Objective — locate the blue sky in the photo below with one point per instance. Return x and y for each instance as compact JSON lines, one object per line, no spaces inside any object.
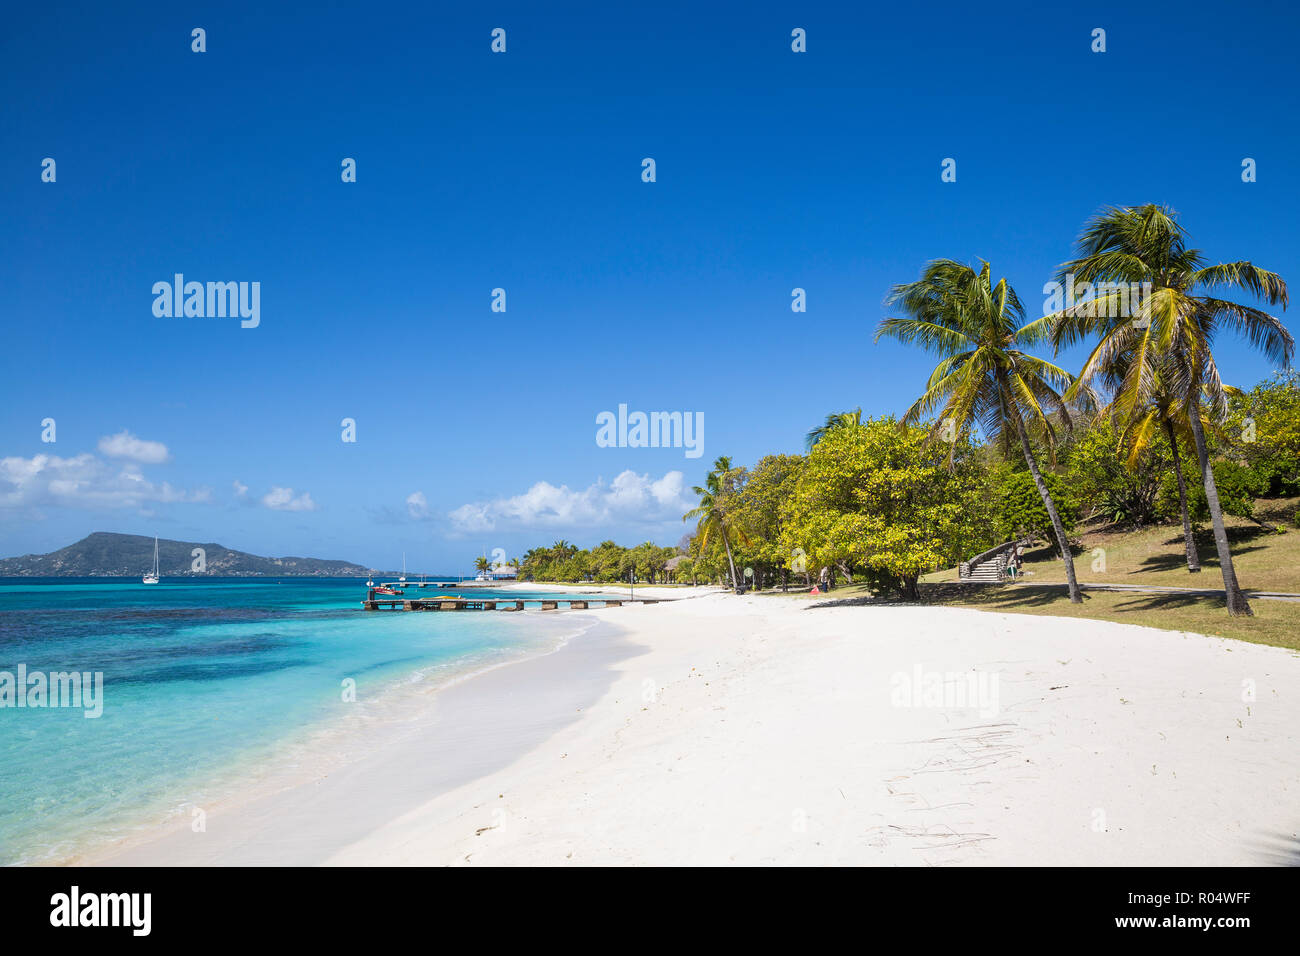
{"x":522,"y":171}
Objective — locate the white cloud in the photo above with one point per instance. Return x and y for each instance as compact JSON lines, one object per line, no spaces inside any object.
{"x":126,"y":445}
{"x":629,"y":499}
{"x":83,"y":481}
{"x":472,"y":517}
{"x":417,"y":506}
{"x":283,"y":499}
{"x":241,"y":489}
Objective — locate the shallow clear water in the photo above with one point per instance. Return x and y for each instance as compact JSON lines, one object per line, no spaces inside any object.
{"x":203,"y":682}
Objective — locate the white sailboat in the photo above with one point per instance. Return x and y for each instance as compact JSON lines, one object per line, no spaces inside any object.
{"x":402,"y":579}
{"x":152,"y":576}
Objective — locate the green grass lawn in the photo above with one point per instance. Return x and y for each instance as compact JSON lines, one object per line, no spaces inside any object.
{"x":1275,"y":622}
{"x":1265,"y":561}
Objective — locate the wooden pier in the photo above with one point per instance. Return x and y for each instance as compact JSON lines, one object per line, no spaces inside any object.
{"x":402,"y":603}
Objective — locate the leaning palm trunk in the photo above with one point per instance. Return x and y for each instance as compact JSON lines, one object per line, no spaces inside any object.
{"x":1075,"y":596}
{"x":730,"y":563}
{"x":1236,"y":600}
{"x":1189,"y":542}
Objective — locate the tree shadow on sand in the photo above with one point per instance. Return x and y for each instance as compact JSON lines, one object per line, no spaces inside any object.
{"x":847,"y":602}
{"x":1277,"y":849}
{"x":995,"y":595}
{"x":940,"y":595}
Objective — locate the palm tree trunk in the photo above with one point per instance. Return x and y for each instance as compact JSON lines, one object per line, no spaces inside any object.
{"x":1235,"y":599}
{"x":1189,"y":542}
{"x":730,"y":562}
{"x":1076,"y":597}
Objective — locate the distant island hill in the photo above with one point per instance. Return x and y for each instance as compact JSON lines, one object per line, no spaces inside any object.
{"x":108,"y":554}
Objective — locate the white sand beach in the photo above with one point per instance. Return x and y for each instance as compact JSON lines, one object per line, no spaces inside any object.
{"x":761,"y":730}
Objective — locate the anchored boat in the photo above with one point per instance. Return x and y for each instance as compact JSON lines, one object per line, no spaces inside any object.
{"x":152,"y":576}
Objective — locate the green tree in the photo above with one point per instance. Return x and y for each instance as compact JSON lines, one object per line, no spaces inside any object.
{"x":685,"y":570}
{"x":1018,"y":507}
{"x":759,"y":510}
{"x":533,"y":566}
{"x":1160,"y":412}
{"x":1169,"y":337}
{"x":833,"y":421}
{"x":884,"y":500}
{"x":983,"y":377}
{"x":1238,"y":487}
{"x":714,"y":512}
{"x":1119,"y":486}
{"x":606,"y":561}
{"x":1264,"y":425}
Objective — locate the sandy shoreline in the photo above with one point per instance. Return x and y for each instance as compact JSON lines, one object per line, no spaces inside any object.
{"x":758,"y":730}
{"x":662,"y":592}
{"x":348,"y":776}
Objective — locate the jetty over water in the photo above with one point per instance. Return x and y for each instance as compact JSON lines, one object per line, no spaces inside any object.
{"x":384,"y":602}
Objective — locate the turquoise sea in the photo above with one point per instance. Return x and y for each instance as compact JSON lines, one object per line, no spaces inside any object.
{"x":207,"y":684}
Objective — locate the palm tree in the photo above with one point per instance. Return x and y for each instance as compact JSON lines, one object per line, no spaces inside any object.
{"x":713,"y":510}
{"x":481,"y":564}
{"x":833,"y":421}
{"x":983,"y":377}
{"x":1169,"y":337}
{"x":1162,"y":410}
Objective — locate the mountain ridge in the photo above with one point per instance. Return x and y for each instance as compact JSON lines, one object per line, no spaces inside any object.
{"x":113,"y":554}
